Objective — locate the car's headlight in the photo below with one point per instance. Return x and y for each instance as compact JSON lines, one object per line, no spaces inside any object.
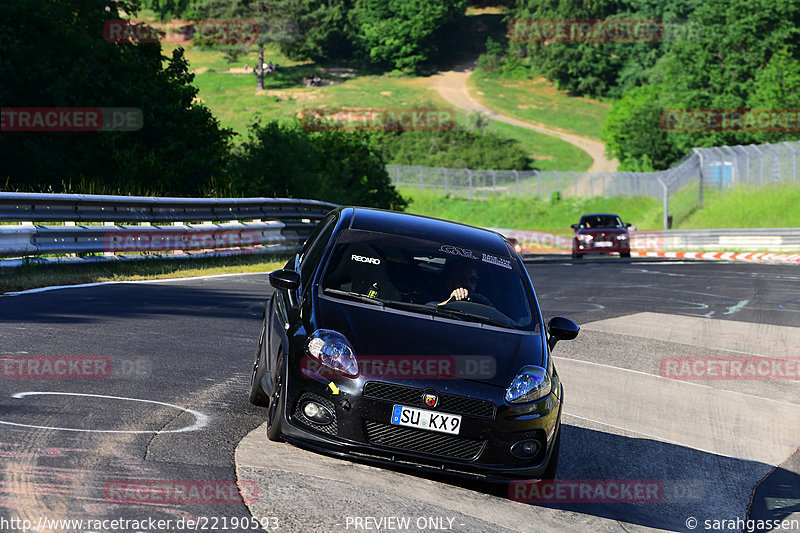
{"x":585,"y":238}
{"x":530,"y":384}
{"x":332,"y":350}
{"x":622,"y":237}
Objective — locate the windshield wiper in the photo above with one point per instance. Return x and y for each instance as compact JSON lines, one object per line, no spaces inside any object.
{"x":355,"y":296}
{"x":446,"y":313}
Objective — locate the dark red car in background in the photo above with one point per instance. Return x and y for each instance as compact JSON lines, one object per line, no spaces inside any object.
{"x":601,"y":233}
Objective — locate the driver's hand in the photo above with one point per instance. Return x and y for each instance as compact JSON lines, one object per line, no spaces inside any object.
{"x":458,"y":294}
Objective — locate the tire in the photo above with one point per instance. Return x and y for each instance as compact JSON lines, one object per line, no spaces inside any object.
{"x":624,"y":254}
{"x":552,"y":466}
{"x":576,"y":255}
{"x":276,"y":401}
{"x":257,"y":395}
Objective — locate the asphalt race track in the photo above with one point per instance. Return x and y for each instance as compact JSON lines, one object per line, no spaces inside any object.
{"x":151,"y":420}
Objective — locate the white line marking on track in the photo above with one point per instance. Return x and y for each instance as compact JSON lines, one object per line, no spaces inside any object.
{"x":201,"y":420}
{"x":736,"y":308}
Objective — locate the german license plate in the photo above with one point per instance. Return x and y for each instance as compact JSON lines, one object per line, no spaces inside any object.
{"x":603,"y":244}
{"x":424,"y":419}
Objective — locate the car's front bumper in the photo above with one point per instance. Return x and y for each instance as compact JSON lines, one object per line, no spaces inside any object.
{"x":621,"y":247}
{"x":489,"y":427}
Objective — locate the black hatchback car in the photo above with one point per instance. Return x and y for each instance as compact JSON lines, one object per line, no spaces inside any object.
{"x":411,"y":341}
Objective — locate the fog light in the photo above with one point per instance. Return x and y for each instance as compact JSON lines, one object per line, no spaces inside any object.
{"x":526,"y":449}
{"x":317,"y":413}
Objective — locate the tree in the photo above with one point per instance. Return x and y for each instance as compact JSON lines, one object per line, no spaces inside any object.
{"x":54,"y":55}
{"x":603,"y":67}
{"x":723,"y":67}
{"x":777,"y":88}
{"x":633,"y":132}
{"x":282,"y":159}
{"x":273,"y":26}
{"x":402,"y":33}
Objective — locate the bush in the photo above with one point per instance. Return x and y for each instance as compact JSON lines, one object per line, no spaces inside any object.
{"x":282,"y":159}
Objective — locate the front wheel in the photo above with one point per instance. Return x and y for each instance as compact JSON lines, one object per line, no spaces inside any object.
{"x":576,"y":255}
{"x":276,"y":401}
{"x":624,"y":254}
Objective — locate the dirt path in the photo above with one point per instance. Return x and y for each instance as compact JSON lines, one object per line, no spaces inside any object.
{"x":452,"y":86}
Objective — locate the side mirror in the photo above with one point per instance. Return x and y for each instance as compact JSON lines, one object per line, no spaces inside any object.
{"x":285,"y":279}
{"x":574,"y":226}
{"x":628,"y":225}
{"x":561,"y":329}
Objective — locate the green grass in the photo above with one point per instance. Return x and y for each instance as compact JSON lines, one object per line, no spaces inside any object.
{"x":748,"y":207}
{"x":532,"y":213}
{"x":537,"y":100}
{"x":234,"y":100}
{"x":32,"y":276}
{"x":549,"y":153}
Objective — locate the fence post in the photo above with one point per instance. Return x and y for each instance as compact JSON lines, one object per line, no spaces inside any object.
{"x":794,"y":160}
{"x":558,"y":180}
{"x":421,"y":182}
{"x":575,"y":192}
{"x":469,"y":174}
{"x":591,"y":185}
{"x":538,"y":185}
{"x":516,"y":180}
{"x":494,"y":181}
{"x":397,"y":175}
{"x":666,"y":203}
{"x":446,"y":188}
{"x":760,"y":165}
{"x":700,"y":155}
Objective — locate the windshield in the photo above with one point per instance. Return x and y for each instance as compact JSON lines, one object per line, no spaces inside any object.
{"x":428,"y":277}
{"x":601,"y":221}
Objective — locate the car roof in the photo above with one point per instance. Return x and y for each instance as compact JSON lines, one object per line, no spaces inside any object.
{"x":422,"y":227}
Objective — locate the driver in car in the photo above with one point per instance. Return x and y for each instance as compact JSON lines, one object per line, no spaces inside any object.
{"x":461,"y":279}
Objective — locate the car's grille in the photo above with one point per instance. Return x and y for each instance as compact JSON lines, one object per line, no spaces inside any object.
{"x":412,"y":397}
{"x":422,"y":441}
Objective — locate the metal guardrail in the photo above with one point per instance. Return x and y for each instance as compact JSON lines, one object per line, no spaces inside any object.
{"x":16,"y":207}
{"x":277,"y":226}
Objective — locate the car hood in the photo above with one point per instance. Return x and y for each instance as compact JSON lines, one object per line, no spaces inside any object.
{"x":484,"y":354}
